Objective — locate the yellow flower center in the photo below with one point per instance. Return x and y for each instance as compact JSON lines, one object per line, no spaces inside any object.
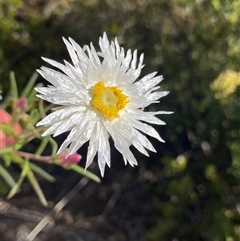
{"x":108,"y":99}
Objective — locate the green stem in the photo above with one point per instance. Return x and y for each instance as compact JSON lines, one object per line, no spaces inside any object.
{"x":42,"y":146}
{"x":54,"y":146}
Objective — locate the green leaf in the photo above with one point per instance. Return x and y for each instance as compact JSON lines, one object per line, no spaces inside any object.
{"x":34,"y":115}
{"x":7,"y":150}
{"x":14,"y":89}
{"x":27,"y":90}
{"x":85,"y":173}
{"x":8,"y":129}
{"x":16,"y":187}
{"x":32,"y":179}
{"x":38,"y":170}
{"x":7,"y":159}
{"x":7,"y":177}
{"x":49,"y":107}
{"x":32,"y":95}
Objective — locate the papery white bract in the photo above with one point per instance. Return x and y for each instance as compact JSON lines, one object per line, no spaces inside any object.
{"x":99,"y":97}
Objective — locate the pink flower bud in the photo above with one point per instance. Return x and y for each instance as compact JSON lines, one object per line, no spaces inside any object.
{"x":5,"y":118}
{"x":7,"y":140}
{"x":72,"y":159}
{"x":22,"y":103}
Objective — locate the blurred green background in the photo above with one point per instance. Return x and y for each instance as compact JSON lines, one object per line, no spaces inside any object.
{"x":195,"y":44}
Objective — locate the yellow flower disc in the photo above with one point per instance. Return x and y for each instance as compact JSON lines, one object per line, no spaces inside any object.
{"x":108,"y":99}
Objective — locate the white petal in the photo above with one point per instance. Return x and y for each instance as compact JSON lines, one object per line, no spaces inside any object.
{"x":93,"y":145}
{"x":64,"y":99}
{"x":132,"y":133}
{"x":51,"y":129}
{"x":61,"y":114}
{"x":71,"y":52}
{"x":44,"y":90}
{"x":128,"y":58}
{"x":71,"y":137}
{"x":132,"y":136}
{"x":81,"y":55}
{"x":163,"y":112}
{"x":121,"y":144}
{"x":157,"y":95}
{"x":103,"y":151}
{"x":146,"y":116}
{"x":76,"y":131}
{"x":50,"y":79}
{"x":83,"y":136}
{"x":60,"y":66}
{"x":118,"y":49}
{"x":66,"y":125}
{"x":77,"y":73}
{"x":54,"y":76}
{"x":94,"y":57}
{"x":145,"y":128}
{"x":134,"y":60}
{"x":140,"y":65}
{"x":148,"y":82}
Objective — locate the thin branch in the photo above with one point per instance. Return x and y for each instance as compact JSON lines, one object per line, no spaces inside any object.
{"x":46,"y":159}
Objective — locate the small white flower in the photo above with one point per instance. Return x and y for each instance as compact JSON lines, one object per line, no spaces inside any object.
{"x":99,"y":97}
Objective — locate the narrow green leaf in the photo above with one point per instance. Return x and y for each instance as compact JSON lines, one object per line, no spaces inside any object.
{"x":7,"y":177}
{"x":34,"y":115}
{"x":32,"y":95}
{"x":16,"y":187}
{"x":32,"y":179}
{"x":5,"y":102}
{"x":7,"y":160}
{"x":14,"y":90}
{"x":85,"y":173}
{"x":16,"y":158}
{"x":25,"y":168}
{"x":19,"y":145}
{"x":7,"y":150}
{"x":49,"y":107}
{"x":41,"y":108}
{"x":38,"y":170}
{"x":8,"y":129}
{"x":27,"y":90}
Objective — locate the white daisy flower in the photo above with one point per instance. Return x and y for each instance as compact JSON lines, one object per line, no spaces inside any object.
{"x":99,"y":97}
